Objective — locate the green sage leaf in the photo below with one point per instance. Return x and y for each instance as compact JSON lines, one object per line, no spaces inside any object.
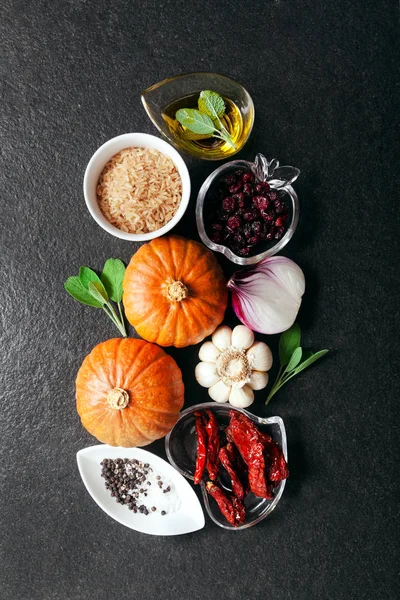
{"x":77,"y":290}
{"x":189,"y":135}
{"x":289,"y":341}
{"x":310,"y":361}
{"x":294,"y":360}
{"x":195,"y":120}
{"x":211,"y":104}
{"x":98,"y":292}
{"x":86,"y":274}
{"x":112,"y":277}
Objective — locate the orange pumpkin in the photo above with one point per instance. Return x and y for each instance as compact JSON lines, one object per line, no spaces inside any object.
{"x":128,"y":392}
{"x":174,"y":292}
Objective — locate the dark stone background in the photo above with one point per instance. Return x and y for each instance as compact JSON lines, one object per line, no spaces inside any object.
{"x":324,"y":77}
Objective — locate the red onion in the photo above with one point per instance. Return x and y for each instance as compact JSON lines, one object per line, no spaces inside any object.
{"x":267,"y":297}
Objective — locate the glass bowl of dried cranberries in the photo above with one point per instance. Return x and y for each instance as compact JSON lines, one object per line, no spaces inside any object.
{"x":248,"y":211}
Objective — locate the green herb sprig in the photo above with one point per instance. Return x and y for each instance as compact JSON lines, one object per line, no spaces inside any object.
{"x":293,"y":359}
{"x":206,"y":121}
{"x":90,"y":289}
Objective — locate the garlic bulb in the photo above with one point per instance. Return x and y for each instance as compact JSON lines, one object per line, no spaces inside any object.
{"x":233,"y":365}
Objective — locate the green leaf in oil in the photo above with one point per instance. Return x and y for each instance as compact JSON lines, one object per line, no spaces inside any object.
{"x":211,"y":104}
{"x":195,"y":121}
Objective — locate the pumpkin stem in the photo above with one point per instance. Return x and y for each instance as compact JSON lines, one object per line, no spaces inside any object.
{"x":177,"y":291}
{"x":118,"y":398}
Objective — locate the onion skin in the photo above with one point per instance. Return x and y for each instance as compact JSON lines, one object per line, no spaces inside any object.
{"x":273,"y":309}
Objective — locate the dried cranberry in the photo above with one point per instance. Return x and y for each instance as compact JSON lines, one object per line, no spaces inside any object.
{"x":229,"y":179}
{"x":247,"y":230}
{"x":247,"y":189}
{"x":239,"y":239}
{"x":234,"y":222}
{"x":252,"y":241}
{"x":270,"y":235}
{"x":267,"y":215}
{"x":216,"y":226}
{"x":278,"y":205}
{"x":244,"y":251}
{"x":261,"y":202}
{"x":262,"y":187}
{"x":248,"y":177}
{"x":228,"y":204}
{"x":279,"y":233}
{"x":272,"y":196}
{"x":239,"y":199}
{"x":235,"y":187}
{"x":279,"y":222}
{"x":256,"y":227}
{"x":248,"y":216}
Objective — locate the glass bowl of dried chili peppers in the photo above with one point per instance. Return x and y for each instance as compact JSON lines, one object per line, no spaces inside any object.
{"x":238,"y":459}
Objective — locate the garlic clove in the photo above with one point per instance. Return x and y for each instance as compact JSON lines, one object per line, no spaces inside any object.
{"x":241,"y":397}
{"x":206,"y":374}
{"x":258,"y":380}
{"x":219,"y":392}
{"x":222,"y":337}
{"x":209,"y":352}
{"x":260,"y":356}
{"x":242,"y":337}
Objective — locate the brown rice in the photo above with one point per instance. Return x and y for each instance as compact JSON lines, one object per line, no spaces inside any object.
{"x":139,"y":190}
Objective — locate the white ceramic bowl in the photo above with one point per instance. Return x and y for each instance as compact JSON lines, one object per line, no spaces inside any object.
{"x":187,"y":517}
{"x":103,"y":155}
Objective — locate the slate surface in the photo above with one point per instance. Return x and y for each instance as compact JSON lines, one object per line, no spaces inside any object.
{"x":324,"y":77}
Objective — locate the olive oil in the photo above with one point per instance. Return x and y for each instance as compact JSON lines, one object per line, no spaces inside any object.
{"x":205,"y":146}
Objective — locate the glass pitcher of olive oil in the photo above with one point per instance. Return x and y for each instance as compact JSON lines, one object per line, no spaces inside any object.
{"x":163,"y":100}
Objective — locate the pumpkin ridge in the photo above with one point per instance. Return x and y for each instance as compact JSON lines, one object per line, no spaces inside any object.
{"x":155,"y":245}
{"x":209,"y":261}
{"x":179,"y":276}
{"x":141,"y":372}
{"x":194,"y":317}
{"x":93,"y":362}
{"x":160,"y":412}
{"x":149,"y":249}
{"x":146,"y":437}
{"x":129,"y":372}
{"x":118,"y":374}
{"x":208,"y":284}
{"x":170,"y":321}
{"x":161,"y":423}
{"x":164,"y":308}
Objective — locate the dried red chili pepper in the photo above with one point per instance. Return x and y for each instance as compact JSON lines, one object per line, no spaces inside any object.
{"x":239,"y":465}
{"x":240,"y":511}
{"x":277,"y":468}
{"x":201,"y":457}
{"x":225,"y":457}
{"x":224,"y":503}
{"x":250,"y":444}
{"x":213,"y":443}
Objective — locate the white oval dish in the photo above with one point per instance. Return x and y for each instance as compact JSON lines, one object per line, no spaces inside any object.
{"x":103,"y":155}
{"x":187,"y":518}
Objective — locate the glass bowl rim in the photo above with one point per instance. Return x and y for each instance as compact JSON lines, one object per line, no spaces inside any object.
{"x":240,"y":260}
{"x":255,"y":418}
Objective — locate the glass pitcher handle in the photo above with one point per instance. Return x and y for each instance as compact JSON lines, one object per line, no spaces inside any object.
{"x":272,"y":172}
